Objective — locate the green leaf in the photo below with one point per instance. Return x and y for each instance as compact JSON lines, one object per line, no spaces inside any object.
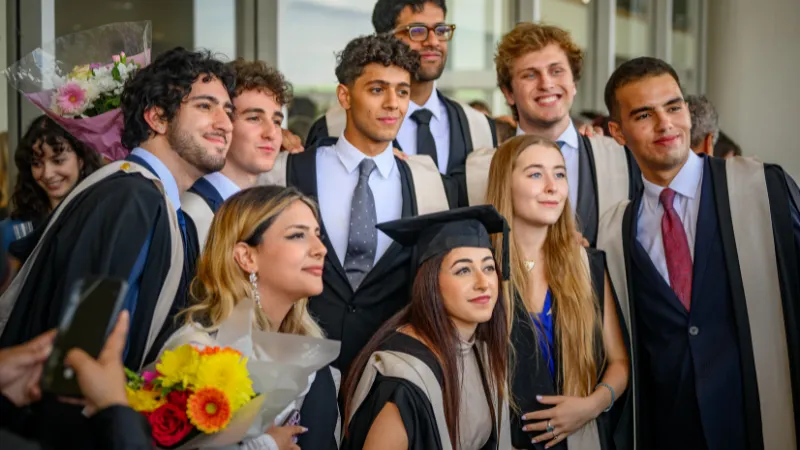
{"x":115,"y":73}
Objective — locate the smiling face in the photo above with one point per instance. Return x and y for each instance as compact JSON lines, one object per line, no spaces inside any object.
{"x":539,"y":185}
{"x":55,"y":172}
{"x":200,"y":132}
{"x":469,"y":285}
{"x":257,"y":134}
{"x":542,"y":88}
{"x":377,"y":101}
{"x":432,"y":51}
{"x":655,"y":124}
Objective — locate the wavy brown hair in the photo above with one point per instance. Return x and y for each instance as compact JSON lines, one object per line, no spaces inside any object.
{"x":566,"y":269}
{"x":428,"y":317}
{"x":527,"y":37}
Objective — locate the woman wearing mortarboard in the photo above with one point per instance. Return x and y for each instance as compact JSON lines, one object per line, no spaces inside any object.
{"x":434,"y":376}
{"x":570,"y":363}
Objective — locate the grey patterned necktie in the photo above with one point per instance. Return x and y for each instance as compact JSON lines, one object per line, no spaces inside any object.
{"x":362,"y":241}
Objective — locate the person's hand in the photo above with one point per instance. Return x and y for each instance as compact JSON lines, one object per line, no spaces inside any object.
{"x":400,"y":154}
{"x":589,"y":131}
{"x":284,"y":436}
{"x":21,"y":369}
{"x":567,"y":416}
{"x":291,"y":142}
{"x":102,"y":381}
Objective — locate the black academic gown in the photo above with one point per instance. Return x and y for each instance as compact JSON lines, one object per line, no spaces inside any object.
{"x":348,"y":316}
{"x":414,"y":406}
{"x":320,"y":413}
{"x":460,"y":145}
{"x":587,"y":209}
{"x":531,"y":376}
{"x":784,"y":206}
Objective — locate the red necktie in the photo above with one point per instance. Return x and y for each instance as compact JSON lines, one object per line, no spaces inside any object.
{"x":676,"y":250}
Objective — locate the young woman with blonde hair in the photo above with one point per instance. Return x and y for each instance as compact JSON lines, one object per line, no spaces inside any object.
{"x":264,"y":244}
{"x":570,"y":362}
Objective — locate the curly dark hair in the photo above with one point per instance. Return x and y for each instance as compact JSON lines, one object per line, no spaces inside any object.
{"x":165,"y":83}
{"x":30,"y":201}
{"x":255,"y":75}
{"x":380,"y":49}
{"x":386,"y":12}
{"x":631,"y":71}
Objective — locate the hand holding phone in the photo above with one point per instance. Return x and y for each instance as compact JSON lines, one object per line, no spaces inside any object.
{"x":91,"y":312}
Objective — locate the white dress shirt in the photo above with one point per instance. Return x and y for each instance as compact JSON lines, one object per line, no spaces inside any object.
{"x":163,"y":174}
{"x":337,"y":177}
{"x":571,"y":159}
{"x":224,"y":185}
{"x":440,"y":129}
{"x":687,"y":186}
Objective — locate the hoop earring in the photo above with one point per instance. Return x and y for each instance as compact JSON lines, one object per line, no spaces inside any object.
{"x":254,"y":285}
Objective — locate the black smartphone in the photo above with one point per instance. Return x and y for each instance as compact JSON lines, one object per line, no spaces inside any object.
{"x":91,"y":313}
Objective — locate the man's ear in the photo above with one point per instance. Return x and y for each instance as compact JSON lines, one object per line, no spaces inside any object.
{"x":155,"y":119}
{"x":343,"y":95}
{"x":708,"y":145}
{"x":616,"y":132}
{"x":509,"y":95}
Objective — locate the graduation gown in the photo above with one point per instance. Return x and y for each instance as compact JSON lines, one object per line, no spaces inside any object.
{"x":608,"y":174}
{"x":469,"y":130}
{"x":200,"y":203}
{"x":531,"y":376}
{"x":352,"y":317}
{"x":413,"y":383}
{"x":752,"y":234}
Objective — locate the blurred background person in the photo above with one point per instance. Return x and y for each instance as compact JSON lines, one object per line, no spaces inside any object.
{"x":705,"y":124}
{"x":726,"y":147}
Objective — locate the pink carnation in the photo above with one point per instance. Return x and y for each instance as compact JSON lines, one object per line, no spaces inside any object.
{"x":115,"y":58}
{"x":71,"y":98}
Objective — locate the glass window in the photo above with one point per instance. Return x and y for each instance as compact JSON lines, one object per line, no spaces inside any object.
{"x":195,"y":24}
{"x":575,"y":16}
{"x":633,"y":29}
{"x":480,"y":24}
{"x":686,"y":17}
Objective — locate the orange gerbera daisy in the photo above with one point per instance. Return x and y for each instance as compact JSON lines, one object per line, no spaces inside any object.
{"x":209,"y":351}
{"x":209,"y":410}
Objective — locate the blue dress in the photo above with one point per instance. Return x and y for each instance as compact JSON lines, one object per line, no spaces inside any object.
{"x":544,"y":328}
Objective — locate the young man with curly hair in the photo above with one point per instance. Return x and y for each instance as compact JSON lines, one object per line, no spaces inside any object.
{"x":261,"y":93}
{"x":538,"y":68}
{"x":359,"y":183}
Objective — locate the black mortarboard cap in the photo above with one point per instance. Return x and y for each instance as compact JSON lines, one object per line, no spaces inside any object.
{"x":444,"y":231}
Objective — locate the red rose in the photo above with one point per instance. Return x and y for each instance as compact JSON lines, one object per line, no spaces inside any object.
{"x":170,"y":424}
{"x":179,"y":398}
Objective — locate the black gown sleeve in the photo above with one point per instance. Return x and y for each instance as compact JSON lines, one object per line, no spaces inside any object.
{"x":415,"y":411}
{"x":120,"y":428}
{"x":318,"y":132}
{"x":320,"y":413}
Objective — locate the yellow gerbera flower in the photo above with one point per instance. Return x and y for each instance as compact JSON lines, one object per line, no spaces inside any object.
{"x":144,"y":401}
{"x":178,"y":367}
{"x":226,"y":371}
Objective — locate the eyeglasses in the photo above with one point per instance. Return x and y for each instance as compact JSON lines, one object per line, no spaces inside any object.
{"x":419,"y":31}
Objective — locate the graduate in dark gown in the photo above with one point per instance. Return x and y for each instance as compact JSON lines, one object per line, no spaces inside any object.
{"x":125,"y":220}
{"x":705,"y":262}
{"x":434,"y":376}
{"x":568,"y":344}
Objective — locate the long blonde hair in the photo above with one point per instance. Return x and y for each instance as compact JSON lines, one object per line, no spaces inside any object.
{"x":578,"y":317}
{"x":220,"y":283}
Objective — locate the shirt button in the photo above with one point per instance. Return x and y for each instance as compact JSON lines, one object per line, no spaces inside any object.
{"x":694,"y":331}
{"x":352,"y":309}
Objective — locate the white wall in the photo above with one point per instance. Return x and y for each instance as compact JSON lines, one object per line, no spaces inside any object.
{"x":753,"y":73}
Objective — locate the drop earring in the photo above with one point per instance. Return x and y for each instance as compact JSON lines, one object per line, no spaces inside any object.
{"x":254,"y":285}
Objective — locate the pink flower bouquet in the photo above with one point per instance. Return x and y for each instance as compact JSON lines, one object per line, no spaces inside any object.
{"x":78,"y":79}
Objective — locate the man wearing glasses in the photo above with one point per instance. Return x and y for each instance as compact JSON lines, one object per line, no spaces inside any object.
{"x":437,"y":126}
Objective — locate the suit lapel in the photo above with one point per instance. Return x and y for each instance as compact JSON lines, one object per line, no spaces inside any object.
{"x":302,"y":173}
{"x":389,"y":258}
{"x":587,"y":191}
{"x":706,"y":228}
{"x":459,"y":135}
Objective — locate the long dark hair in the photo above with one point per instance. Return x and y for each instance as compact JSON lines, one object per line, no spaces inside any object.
{"x":30,"y":201}
{"x":429,"y":319}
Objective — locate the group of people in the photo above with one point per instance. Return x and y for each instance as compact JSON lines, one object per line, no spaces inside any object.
{"x":560,"y":290}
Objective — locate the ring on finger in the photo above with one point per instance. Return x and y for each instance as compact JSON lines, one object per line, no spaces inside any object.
{"x":550,"y":427}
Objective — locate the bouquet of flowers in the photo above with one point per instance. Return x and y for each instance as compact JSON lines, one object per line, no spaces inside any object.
{"x":192,"y":391}
{"x":214,"y":392}
{"x":77,"y":80}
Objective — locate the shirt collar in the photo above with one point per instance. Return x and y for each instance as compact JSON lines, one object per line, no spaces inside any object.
{"x":434,"y":105}
{"x":351,"y":157}
{"x":569,"y":136}
{"x":685,"y":182}
{"x":163,"y":173}
{"x":224,"y":185}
